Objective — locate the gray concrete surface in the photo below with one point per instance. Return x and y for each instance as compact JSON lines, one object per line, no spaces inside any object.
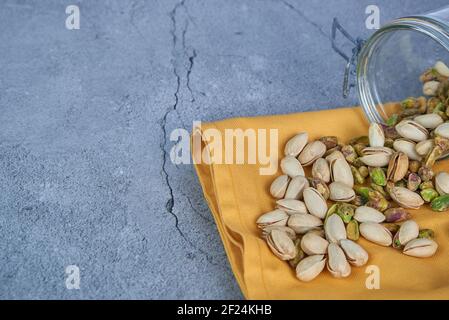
{"x":85,"y":115}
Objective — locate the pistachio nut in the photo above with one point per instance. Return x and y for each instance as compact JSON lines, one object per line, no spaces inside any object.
{"x":426,"y":185}
{"x":424,"y":147}
{"x":321,"y":187}
{"x":295,"y":145}
{"x":315,"y":202}
{"x":443,"y":143}
{"x":358,"y":177}
{"x":281,"y":244}
{"x":362,"y":191}
{"x":356,"y":255}
{"x":376,"y":156}
{"x":378,"y":176}
{"x":299,"y":254}
{"x":408,"y":147}
{"x":341,"y":192}
{"x":345,"y":211}
{"x":352,"y":230}
{"x":412,"y":130}
{"x":426,"y":173}
{"x":364,"y":172}
{"x":334,"y":228}
{"x":341,"y":172}
{"x":380,"y":189}
{"x":304,"y":222}
{"x":291,"y":206}
{"x":428,"y":194}
{"x":279,"y":186}
{"x":429,"y":121}
{"x":430,"y":88}
{"x":396,"y":215}
{"x":312,"y":151}
{"x":273,"y":218}
{"x":333,"y":209}
{"x":413,"y":165}
{"x":337,"y":264}
{"x":309,"y":268}
{"x":392,"y":227}
{"x":313,"y":244}
{"x":441,"y":68}
{"x":289,"y":231}
{"x":413,"y":181}
{"x":433,"y":156}
{"x":442,"y":182}
{"x":320,"y":169}
{"x":296,"y":187}
{"x":376,"y":135}
{"x":376,"y":233}
{"x":406,"y":198}
{"x":361,"y":139}
{"x":426,"y":234}
{"x":392,"y":120}
{"x":440,"y":203}
{"x":421,"y":248}
{"x":332,"y":150}
{"x":408,"y":231}
{"x":291,"y":167}
{"x":368,"y":214}
{"x":329,"y":141}
{"x":335,"y":155}
{"x":442,"y":130}
{"x":377,"y":201}
{"x":349,"y":153}
{"x":397,"y":167}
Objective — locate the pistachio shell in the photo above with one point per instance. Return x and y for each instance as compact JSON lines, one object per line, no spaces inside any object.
{"x":281,"y":244}
{"x":406,"y":198}
{"x":291,"y":206}
{"x":337,"y":154}
{"x":321,"y":170}
{"x":279,"y":186}
{"x":442,"y":183}
{"x":443,"y":130}
{"x":368,"y":214}
{"x":396,"y":215}
{"x":309,"y":268}
{"x":407,"y":147}
{"x":424,"y":147}
{"x":273,"y":218}
{"x":296,"y":187}
{"x":315,"y":202}
{"x":290,"y":232}
{"x":421,"y":248}
{"x":429,"y":121}
{"x":376,"y":135}
{"x":441,"y":68}
{"x":341,"y":192}
{"x":397,"y":167}
{"x":312,"y":244}
{"x":376,"y":233}
{"x":412,"y":130}
{"x":337,"y":264}
{"x":430,"y":88}
{"x":356,"y":255}
{"x":311,"y":152}
{"x":291,"y":167}
{"x":334,"y":228}
{"x":295,"y":145}
{"x":341,"y":172}
{"x":303,"y":222}
{"x":408,"y":231}
{"x":376,"y":156}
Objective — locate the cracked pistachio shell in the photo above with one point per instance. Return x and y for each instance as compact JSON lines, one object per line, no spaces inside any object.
{"x":424,"y":147}
{"x":376,"y":233}
{"x":430,"y":88}
{"x":429,"y":121}
{"x":337,"y":264}
{"x":368,"y":214}
{"x":341,"y":192}
{"x":273,"y":218}
{"x":291,"y":167}
{"x":408,"y":147}
{"x":312,"y":151}
{"x":296,"y":187}
{"x":313,"y":244}
{"x":295,"y":145}
{"x":442,"y":183}
{"x":397,"y":167}
{"x":421,"y":248}
{"x":282,"y":246}
{"x":441,"y":68}
{"x":279,"y":186}
{"x":341,"y":172}
{"x":337,"y":154}
{"x":334,"y":228}
{"x":356,"y":255}
{"x":406,"y":198}
{"x":315,"y":202}
{"x":290,"y":232}
{"x":408,"y":231}
{"x":443,"y":130}
{"x":304,"y":222}
{"x":412,"y":130}
{"x":309,"y":268}
{"x":291,"y":206}
{"x":321,"y":170}
{"x":376,"y":156}
{"x":376,"y":135}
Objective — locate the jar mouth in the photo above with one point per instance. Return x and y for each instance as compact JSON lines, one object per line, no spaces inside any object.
{"x":367,"y":90}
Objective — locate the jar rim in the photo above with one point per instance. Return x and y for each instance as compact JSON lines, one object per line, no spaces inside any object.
{"x":367,"y":92}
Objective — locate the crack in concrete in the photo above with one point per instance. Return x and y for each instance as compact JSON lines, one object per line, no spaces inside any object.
{"x":304,"y":16}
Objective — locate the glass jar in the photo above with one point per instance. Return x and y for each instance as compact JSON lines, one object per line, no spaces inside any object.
{"x":391,"y":61}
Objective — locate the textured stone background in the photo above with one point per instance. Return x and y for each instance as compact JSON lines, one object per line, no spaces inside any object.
{"x":85,"y":115}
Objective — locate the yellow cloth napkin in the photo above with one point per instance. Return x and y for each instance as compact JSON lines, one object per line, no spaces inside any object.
{"x":237,"y":195}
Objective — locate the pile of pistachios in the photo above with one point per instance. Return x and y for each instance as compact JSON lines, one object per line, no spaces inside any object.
{"x":362,"y":188}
